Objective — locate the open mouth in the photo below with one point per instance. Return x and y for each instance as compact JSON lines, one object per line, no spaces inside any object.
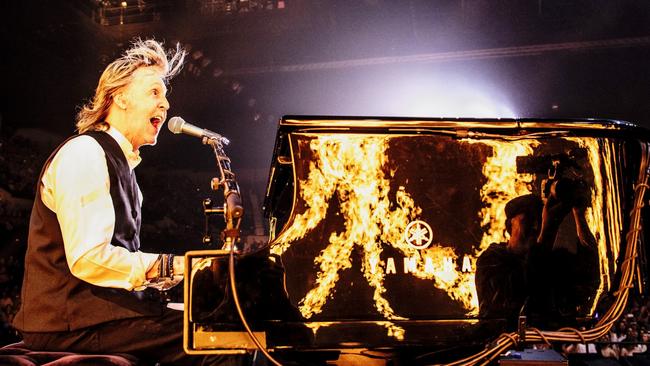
{"x":156,"y":121}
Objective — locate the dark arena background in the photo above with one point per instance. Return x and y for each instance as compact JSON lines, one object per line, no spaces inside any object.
{"x":251,"y":62}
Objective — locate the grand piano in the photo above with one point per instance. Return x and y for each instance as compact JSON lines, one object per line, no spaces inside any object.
{"x":393,"y":236}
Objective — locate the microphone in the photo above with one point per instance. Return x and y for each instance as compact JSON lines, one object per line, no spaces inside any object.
{"x":178,"y":125}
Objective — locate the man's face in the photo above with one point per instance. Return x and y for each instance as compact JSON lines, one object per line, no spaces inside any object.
{"x":146,"y":106}
{"x":524,"y":231}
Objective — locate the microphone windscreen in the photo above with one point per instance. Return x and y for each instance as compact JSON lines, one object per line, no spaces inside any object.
{"x":175,"y":124}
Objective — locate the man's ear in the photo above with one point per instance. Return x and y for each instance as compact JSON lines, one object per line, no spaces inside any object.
{"x":120,"y":100}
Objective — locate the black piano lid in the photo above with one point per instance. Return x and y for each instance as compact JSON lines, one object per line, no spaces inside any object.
{"x":289,"y":123}
{"x":455,"y":126}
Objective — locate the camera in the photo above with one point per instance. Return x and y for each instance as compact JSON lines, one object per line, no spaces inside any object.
{"x":561,"y":175}
{"x":553,"y":164}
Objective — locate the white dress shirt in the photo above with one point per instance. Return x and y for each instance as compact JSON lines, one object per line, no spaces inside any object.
{"x":76,"y":187}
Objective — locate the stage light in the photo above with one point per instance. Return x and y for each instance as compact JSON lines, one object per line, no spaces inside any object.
{"x":440,"y":95}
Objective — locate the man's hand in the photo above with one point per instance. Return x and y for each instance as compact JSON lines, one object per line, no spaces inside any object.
{"x":154,"y":270}
{"x":554,"y":212}
{"x":582,"y":228}
{"x":173,"y":278}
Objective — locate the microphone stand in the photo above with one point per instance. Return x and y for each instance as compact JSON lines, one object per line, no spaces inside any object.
{"x":233,"y":210}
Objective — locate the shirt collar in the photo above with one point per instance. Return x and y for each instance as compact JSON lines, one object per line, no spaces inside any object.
{"x":132,"y":157}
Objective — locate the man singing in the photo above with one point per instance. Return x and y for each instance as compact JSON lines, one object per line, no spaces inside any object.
{"x":85,"y":277}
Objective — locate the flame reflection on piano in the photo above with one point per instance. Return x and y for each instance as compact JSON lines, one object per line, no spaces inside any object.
{"x":355,"y":195}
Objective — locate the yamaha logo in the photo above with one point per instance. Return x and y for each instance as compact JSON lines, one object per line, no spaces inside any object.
{"x":418,"y":234}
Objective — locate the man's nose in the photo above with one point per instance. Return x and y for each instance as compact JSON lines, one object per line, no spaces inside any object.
{"x":165,"y":103}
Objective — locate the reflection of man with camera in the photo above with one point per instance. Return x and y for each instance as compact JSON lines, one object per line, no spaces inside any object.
{"x":501,"y":278}
{"x":561,"y":274}
{"x":530,"y":274}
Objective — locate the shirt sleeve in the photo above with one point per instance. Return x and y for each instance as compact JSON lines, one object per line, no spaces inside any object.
{"x":76,"y":187}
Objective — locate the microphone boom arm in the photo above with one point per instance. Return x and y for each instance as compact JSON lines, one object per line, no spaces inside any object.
{"x":234,"y":209}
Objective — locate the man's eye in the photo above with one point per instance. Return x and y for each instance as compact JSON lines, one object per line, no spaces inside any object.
{"x":155,"y":92}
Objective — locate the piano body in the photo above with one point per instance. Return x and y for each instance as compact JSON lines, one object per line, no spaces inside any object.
{"x":377,"y":227}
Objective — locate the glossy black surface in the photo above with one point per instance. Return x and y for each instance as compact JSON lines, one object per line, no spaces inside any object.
{"x":448,"y":177}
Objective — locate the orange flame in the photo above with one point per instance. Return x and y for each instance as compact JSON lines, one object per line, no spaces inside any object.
{"x":503,"y":184}
{"x":614,"y":210}
{"x":600,"y":155}
{"x":353,"y":166}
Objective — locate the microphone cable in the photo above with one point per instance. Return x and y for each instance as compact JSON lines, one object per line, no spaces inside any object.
{"x":240,"y":312}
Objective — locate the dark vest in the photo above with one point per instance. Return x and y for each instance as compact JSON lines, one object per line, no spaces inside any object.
{"x":53,"y":299}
